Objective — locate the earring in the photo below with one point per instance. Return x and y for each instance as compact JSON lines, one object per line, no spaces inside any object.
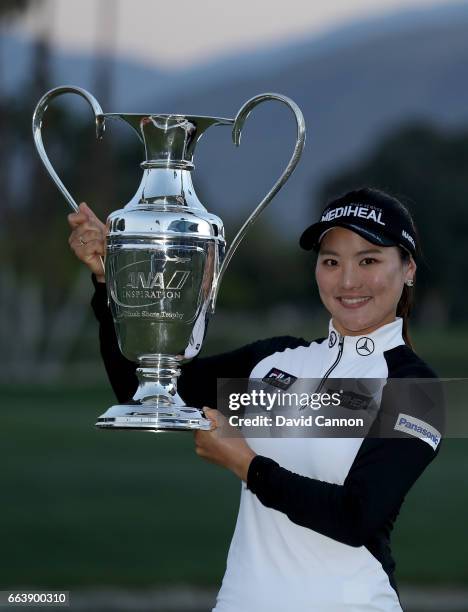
{"x":409,"y":282}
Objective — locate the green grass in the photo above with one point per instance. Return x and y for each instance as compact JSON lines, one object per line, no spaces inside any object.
{"x":444,"y":349}
{"x":431,"y":533}
{"x":82,"y":507}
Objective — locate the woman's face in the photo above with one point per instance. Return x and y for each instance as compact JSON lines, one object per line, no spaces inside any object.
{"x":359,"y":282}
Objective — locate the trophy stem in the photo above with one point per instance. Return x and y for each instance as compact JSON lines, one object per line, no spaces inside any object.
{"x":156,"y":405}
{"x":158,"y":382}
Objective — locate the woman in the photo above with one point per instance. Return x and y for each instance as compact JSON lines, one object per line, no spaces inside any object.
{"x":313,"y":530}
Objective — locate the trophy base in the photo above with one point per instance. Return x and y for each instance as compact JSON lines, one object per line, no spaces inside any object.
{"x":156,"y":405}
{"x":153,"y":418}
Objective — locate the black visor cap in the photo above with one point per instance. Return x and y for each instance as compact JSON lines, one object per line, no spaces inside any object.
{"x":310,"y":237}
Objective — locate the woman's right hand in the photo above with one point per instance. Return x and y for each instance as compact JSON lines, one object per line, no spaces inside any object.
{"x":88,"y":239}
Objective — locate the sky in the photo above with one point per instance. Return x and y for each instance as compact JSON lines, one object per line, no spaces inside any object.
{"x":178,"y":34}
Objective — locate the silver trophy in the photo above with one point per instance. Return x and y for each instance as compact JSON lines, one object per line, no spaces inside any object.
{"x":165,"y":257}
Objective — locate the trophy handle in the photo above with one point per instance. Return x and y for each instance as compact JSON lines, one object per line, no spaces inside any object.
{"x":37,"y":134}
{"x":239,"y":121}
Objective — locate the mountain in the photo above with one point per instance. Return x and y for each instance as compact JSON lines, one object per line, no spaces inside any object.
{"x":353,"y":84}
{"x":351,"y":95}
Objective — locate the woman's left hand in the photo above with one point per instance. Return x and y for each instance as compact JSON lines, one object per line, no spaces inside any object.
{"x":224,"y":445}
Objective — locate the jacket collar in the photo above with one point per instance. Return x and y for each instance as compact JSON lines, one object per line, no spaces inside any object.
{"x":382,"y":339}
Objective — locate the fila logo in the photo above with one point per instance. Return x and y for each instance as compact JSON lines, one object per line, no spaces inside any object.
{"x":365,"y":346}
{"x":408,"y":237}
{"x":280,"y":379}
{"x":415,"y":427}
{"x":364,"y":212}
{"x":150,"y":281}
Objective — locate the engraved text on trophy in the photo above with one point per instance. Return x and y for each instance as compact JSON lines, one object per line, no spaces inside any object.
{"x":160,"y":286}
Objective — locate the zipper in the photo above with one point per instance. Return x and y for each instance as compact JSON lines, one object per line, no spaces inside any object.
{"x":333,"y":366}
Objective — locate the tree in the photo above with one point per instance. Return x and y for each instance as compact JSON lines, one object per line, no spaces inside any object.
{"x":9,"y":11}
{"x":12,"y":8}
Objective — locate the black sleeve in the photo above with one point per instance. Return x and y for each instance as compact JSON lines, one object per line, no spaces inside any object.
{"x":197,"y":384}
{"x":120,"y":371}
{"x":381,"y":475}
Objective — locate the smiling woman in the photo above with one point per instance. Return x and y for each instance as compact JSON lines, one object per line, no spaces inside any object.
{"x":366,"y":261}
{"x":316,"y":513}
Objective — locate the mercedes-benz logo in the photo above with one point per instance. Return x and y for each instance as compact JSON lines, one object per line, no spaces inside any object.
{"x":365,"y":346}
{"x":332,"y":339}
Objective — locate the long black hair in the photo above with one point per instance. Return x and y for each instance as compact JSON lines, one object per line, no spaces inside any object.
{"x":369,"y":195}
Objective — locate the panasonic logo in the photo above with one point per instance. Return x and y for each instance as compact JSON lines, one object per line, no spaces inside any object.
{"x":415,"y":427}
{"x":408,"y":237}
{"x":364,"y":212}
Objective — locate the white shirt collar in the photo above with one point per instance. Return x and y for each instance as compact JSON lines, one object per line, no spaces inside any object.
{"x":381,"y":339}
